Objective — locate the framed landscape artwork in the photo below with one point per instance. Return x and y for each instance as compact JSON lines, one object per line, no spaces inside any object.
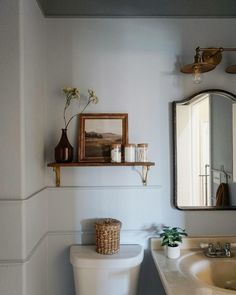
{"x":96,"y":134}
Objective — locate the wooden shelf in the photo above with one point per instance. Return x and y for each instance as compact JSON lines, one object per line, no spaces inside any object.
{"x":94,"y":164}
{"x":57,"y":167}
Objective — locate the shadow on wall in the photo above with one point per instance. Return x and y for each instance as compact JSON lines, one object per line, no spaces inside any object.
{"x":149,"y":283}
{"x":88,"y":231}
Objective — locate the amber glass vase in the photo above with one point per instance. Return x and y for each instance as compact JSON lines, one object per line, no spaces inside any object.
{"x":64,"y":150}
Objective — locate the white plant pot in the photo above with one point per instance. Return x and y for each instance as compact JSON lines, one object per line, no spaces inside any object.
{"x":173,"y":252}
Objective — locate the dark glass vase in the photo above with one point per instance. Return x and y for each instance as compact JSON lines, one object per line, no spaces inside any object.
{"x":64,"y":150}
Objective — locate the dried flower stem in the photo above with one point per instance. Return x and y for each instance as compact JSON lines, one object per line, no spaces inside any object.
{"x":66,"y":125}
{"x":74,"y":93}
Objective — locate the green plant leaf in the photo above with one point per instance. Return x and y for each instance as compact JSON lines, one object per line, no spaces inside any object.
{"x":172,"y":236}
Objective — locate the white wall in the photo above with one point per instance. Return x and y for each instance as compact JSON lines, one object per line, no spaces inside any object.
{"x":33,"y":77}
{"x":22,"y":99}
{"x":133,"y":65}
{"x":22,"y":118}
{"x":10,"y":117}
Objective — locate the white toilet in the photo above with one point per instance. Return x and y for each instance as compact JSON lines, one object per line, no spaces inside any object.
{"x":97,"y":274}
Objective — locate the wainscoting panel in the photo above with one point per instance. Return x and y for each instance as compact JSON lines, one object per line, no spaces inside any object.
{"x":35,"y":220}
{"x":36,"y":270}
{"x":76,"y":209}
{"x":11,"y":279}
{"x":11,"y":230}
{"x":23,"y":224}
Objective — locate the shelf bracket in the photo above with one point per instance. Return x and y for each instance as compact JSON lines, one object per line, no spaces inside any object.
{"x":57,"y":171}
{"x":144,"y":175}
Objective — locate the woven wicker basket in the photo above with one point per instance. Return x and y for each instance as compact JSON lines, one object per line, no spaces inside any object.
{"x":107,"y":236}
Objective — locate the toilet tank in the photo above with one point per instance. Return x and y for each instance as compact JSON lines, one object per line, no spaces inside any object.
{"x":97,"y":274}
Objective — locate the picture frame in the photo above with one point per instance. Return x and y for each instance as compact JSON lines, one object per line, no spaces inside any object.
{"x":97,"y":132}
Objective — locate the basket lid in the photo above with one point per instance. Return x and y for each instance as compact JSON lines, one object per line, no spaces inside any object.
{"x":108,"y":222}
{"x":87,"y":257}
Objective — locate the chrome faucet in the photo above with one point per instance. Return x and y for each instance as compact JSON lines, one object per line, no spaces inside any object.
{"x":218,"y":250}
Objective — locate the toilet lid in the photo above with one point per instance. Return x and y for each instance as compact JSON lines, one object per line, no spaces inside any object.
{"x":87,"y":257}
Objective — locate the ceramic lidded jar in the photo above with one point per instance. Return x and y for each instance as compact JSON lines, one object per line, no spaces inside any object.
{"x":116,"y":153}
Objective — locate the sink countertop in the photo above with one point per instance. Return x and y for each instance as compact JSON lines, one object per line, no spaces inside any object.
{"x":173,"y":280}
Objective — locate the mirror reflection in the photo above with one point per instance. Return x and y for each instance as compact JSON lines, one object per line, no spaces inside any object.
{"x":205,"y":157}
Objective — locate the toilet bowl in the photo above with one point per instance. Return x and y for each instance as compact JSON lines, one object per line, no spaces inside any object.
{"x":97,"y":274}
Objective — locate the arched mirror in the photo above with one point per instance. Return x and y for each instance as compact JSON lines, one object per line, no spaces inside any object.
{"x":204,"y":133}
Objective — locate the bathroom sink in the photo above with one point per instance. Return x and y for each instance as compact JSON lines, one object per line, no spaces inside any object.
{"x":218,"y":273}
{"x":215,"y":272}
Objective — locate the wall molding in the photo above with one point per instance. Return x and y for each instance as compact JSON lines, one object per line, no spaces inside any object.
{"x":12,"y":200}
{"x":32,"y":219}
{"x":25,"y":260}
{"x":124,"y":187}
{"x":150,"y":233}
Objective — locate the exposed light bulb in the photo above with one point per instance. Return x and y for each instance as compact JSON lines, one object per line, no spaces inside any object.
{"x":197,"y":75}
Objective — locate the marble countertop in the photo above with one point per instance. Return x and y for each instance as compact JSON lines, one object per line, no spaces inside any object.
{"x":176,"y":282}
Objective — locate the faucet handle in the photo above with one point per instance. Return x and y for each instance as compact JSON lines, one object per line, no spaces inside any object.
{"x":227,"y":246}
{"x":211,"y":249}
{"x":204,"y":245}
{"x":218,"y":247}
{"x":227,"y":250}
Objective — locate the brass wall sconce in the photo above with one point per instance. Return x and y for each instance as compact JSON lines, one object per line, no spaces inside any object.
{"x":205,"y":60}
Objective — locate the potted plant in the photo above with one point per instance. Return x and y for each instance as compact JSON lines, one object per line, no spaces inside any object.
{"x":172,"y":237}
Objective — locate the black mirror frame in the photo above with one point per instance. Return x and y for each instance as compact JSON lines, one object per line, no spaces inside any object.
{"x":189,"y":99}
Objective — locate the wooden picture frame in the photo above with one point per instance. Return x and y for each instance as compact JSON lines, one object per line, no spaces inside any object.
{"x":97,"y":132}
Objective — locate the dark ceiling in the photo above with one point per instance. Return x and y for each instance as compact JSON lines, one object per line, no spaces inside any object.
{"x":139,"y":8}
